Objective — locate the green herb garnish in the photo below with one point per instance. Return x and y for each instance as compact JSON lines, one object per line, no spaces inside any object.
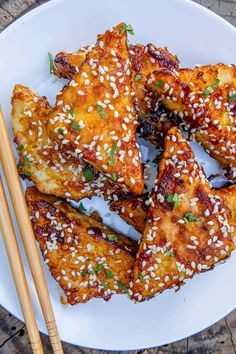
{"x":75,"y":126}
{"x":127,"y":28}
{"x":112,"y":238}
{"x":88,"y":175}
{"x":20,"y":147}
{"x":211,"y":88}
{"x":190,"y":217}
{"x":140,"y":276}
{"x":176,"y":57}
{"x":160,"y":83}
{"x":60,"y":130}
{"x":173,"y":198}
{"x":52,"y":63}
{"x":112,"y":152}
{"x":72,"y":112}
{"x":81,"y":207}
{"x":232,"y":98}
{"x":27,"y":161}
{"x":100,"y":111}
{"x":98,"y":268}
{"x":113,"y":176}
{"x":108,"y":274}
{"x":88,"y":259}
{"x":122,"y":287}
{"x":91,"y":271}
{"x":137,"y":77}
{"x":83,"y":273}
{"x":170,"y":253}
{"x":105,"y":285}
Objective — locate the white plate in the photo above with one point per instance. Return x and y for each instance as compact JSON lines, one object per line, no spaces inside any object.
{"x":197,"y":36}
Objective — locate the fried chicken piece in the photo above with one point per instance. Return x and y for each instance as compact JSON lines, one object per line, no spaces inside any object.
{"x":188,"y":228}
{"x":85,"y":257}
{"x":132,"y":210}
{"x":204,"y":98}
{"x":53,"y":169}
{"x":99,"y":102}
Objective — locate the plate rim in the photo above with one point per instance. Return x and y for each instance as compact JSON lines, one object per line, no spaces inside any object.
{"x":13,"y":26}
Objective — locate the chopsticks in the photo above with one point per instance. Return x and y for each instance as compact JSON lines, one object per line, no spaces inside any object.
{"x":18,"y":273}
{"x":23,"y":220}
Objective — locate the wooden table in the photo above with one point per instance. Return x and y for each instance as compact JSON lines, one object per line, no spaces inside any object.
{"x":219,"y":338}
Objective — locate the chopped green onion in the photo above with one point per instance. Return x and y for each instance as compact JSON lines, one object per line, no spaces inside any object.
{"x":160,"y":83}
{"x":83,"y":273}
{"x":52,"y":63}
{"x":88,"y":175}
{"x":190,"y":217}
{"x":20,"y":147}
{"x":105,"y":285}
{"x":138,"y":77}
{"x":72,"y":113}
{"x":81,"y":207}
{"x":140,"y":276}
{"x":112,"y":238}
{"x":112,"y":152}
{"x":98,"y":268}
{"x":27,"y":161}
{"x":60,"y":130}
{"x":101,"y":112}
{"x":211,"y":88}
{"x":113,"y":176}
{"x":127,"y":28}
{"x":170,"y":253}
{"x":108,"y":274}
{"x":173,"y":198}
{"x":75,"y":126}
{"x":232,"y":98}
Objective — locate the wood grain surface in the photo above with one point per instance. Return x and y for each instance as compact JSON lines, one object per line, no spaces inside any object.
{"x":217,"y":339}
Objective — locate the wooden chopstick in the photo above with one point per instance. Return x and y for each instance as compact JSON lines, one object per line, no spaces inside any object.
{"x":23,"y":220}
{"x":18,"y":273}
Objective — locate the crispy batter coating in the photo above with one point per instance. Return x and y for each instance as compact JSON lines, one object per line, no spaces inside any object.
{"x":204,"y":98}
{"x":86,"y":258}
{"x":144,"y":60}
{"x":135,"y":210}
{"x":99,"y":102}
{"x":53,"y":169}
{"x":132,"y":210}
{"x":188,"y":227}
